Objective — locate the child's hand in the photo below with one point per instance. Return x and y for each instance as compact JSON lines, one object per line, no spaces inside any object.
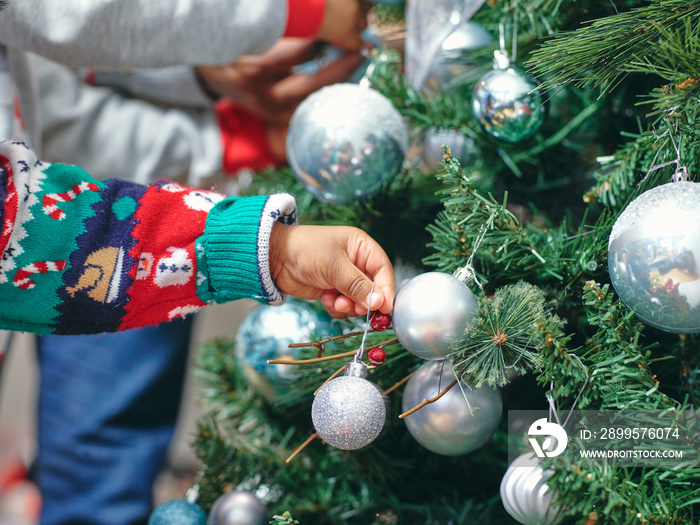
{"x":334,"y":263}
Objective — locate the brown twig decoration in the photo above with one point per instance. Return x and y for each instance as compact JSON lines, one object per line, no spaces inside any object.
{"x":428,"y":401}
{"x":335,"y":374}
{"x":326,"y":358}
{"x":302,"y":446}
{"x":308,"y":361}
{"x":327,"y":339}
{"x":398,"y":384}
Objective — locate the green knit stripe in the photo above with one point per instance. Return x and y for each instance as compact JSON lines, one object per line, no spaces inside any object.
{"x":230,"y":243}
{"x":58,"y":241}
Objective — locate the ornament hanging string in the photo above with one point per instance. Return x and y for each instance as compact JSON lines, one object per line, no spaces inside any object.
{"x":361,"y":350}
{"x":552,"y":405}
{"x":466,"y":273}
{"x":681,"y":174}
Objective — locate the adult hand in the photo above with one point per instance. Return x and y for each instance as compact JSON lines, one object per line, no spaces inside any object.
{"x":334,"y":263}
{"x":264,"y":83}
{"x":343,"y":23}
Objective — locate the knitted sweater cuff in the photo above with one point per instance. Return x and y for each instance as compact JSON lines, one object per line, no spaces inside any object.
{"x":236,"y":245}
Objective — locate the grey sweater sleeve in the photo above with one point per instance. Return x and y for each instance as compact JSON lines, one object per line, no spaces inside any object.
{"x":151,"y":33}
{"x":113,"y":136}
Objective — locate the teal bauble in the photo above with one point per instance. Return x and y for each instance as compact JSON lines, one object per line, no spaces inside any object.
{"x":178,"y":512}
{"x":266,"y":333}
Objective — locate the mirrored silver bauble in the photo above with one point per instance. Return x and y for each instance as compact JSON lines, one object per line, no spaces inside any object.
{"x":507,"y":104}
{"x":238,"y":508}
{"x":461,"y":147}
{"x":431,"y":311}
{"x":526,"y":495}
{"x":449,"y":426}
{"x":266,"y":333}
{"x":654,"y":257}
{"x":345,"y":141}
{"x":349,"y":412}
{"x":450,"y":66}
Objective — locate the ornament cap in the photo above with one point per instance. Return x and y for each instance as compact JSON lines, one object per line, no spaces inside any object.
{"x":501,"y":60}
{"x":681,"y":175}
{"x":355,"y":369}
{"x":464,"y":274}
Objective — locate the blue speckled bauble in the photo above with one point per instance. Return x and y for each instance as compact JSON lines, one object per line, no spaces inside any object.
{"x":178,"y":512}
{"x":266,"y":333}
{"x":345,"y":142}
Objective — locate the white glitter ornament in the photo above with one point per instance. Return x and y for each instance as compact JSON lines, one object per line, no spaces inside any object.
{"x":430,"y":312}
{"x":525,"y":493}
{"x":345,"y":141}
{"x":654,"y":257}
{"x":349,"y":412}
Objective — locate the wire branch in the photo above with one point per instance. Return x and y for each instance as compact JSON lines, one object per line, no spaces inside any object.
{"x":335,"y":374}
{"x":428,"y":401}
{"x":302,"y":446}
{"x":399,"y":383}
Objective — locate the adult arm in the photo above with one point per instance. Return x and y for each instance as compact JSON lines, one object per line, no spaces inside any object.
{"x":153,"y":33}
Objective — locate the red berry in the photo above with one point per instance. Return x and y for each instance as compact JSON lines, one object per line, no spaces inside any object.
{"x":376,"y":356}
{"x":380,"y":321}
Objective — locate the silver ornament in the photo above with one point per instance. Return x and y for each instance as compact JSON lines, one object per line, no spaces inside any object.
{"x":654,"y":257}
{"x":431,"y":311}
{"x":506,"y":102}
{"x":461,"y":146}
{"x":266,"y":333}
{"x":429,"y":24}
{"x":526,"y":495}
{"x":238,"y":508}
{"x":349,"y":412}
{"x":449,"y":67}
{"x":346,"y":141}
{"x":449,"y":426}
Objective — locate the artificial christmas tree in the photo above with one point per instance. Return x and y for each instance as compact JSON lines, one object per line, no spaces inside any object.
{"x":531,"y":221}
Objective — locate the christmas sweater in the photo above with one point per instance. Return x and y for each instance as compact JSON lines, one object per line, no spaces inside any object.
{"x":86,"y":256}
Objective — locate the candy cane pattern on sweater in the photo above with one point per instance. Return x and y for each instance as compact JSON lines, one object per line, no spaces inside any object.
{"x":49,"y":202}
{"x":22,"y":276}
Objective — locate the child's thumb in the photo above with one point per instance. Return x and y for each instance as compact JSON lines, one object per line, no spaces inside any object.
{"x":357,"y":287}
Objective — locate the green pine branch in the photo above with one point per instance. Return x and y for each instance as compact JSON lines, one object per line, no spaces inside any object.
{"x":605,"y":51}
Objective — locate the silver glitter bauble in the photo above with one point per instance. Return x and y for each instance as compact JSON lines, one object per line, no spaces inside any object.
{"x":507,"y":104}
{"x":525,"y":494}
{"x":461,"y":147}
{"x":346,"y":141}
{"x":450,"y":67}
{"x":238,"y":508}
{"x":349,"y":412}
{"x":266,"y":333}
{"x":449,"y":426}
{"x":654,"y":257}
{"x":431,"y":311}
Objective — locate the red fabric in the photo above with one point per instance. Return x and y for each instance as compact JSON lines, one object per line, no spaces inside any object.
{"x":244,"y":139}
{"x":165,"y":276}
{"x":304,"y":17}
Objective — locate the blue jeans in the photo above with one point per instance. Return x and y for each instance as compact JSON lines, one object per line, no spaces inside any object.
{"x":108,"y":405}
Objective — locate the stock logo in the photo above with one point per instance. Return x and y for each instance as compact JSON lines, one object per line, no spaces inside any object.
{"x":542,"y":427}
